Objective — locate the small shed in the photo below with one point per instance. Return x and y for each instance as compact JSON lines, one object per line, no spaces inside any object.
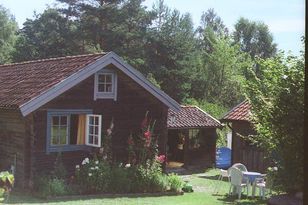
{"x":191,"y":137}
{"x":243,"y":151}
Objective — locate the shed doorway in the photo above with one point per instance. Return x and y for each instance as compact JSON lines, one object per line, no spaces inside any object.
{"x":175,"y":149}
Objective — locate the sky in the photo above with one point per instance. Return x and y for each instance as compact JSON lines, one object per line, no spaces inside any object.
{"x":285,"y":18}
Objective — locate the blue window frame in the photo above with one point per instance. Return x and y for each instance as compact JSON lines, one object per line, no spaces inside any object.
{"x":58,"y":130}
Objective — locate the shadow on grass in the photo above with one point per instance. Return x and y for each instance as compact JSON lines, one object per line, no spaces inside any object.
{"x":28,"y":198}
{"x":227,"y":199}
{"x":213,"y":177}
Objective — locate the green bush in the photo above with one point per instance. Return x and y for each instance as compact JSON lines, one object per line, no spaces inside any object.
{"x":2,"y":193}
{"x":176,"y":183}
{"x":93,"y":176}
{"x":121,"y":180}
{"x":159,"y":183}
{"x":47,"y":186}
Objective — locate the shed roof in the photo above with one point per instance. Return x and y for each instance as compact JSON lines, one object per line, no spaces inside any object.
{"x":191,"y":117}
{"x":29,"y":85}
{"x":241,"y":112}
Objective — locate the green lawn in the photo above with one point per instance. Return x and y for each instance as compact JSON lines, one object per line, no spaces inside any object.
{"x":207,"y":190}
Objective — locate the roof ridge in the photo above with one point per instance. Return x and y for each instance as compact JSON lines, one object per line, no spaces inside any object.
{"x":209,"y":115}
{"x":52,"y":59}
{"x":238,"y":105}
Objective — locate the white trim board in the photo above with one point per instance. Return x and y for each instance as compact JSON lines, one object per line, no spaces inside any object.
{"x":87,"y":71}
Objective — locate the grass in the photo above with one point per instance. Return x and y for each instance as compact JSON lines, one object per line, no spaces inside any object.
{"x":207,"y":190}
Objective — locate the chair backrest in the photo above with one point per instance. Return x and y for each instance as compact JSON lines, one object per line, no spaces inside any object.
{"x":240,"y":167}
{"x":236,"y":176}
{"x":224,"y":173}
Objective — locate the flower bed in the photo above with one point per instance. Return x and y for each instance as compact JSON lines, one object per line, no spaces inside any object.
{"x":102,"y":175}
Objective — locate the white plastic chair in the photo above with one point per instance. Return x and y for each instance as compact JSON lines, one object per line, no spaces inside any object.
{"x":240,"y":166}
{"x":263,"y":185}
{"x":236,"y":179}
{"x":224,"y":174}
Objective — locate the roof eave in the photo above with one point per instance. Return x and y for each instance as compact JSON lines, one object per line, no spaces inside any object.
{"x":87,"y":71}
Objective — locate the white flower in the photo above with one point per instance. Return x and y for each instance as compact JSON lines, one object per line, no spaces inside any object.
{"x":284,"y":76}
{"x":96,"y":162}
{"x":96,"y":167}
{"x":275,"y":168}
{"x":85,"y":161}
{"x":77,"y":166}
{"x":127,"y":165}
{"x":90,"y":174}
{"x":92,"y":168}
{"x":120,"y":165}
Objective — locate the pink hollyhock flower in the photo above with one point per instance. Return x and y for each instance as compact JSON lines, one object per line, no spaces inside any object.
{"x":147,"y":134}
{"x":161,"y":158}
{"x":130,"y":141}
{"x":109,"y":131}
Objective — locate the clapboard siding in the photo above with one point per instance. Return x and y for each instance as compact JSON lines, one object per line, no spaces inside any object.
{"x":12,"y":142}
{"x":243,"y":151}
{"x":128,"y":111}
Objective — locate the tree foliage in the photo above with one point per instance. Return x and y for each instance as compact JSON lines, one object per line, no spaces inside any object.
{"x":278,"y":109}
{"x":254,"y":38}
{"x":8,"y":29}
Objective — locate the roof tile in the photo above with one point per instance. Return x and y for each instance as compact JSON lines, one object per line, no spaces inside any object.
{"x":20,"y":82}
{"x":191,"y":117}
{"x":239,"y":112}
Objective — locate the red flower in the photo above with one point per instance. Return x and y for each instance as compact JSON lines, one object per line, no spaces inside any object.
{"x":161,"y":158}
{"x":130,"y":141}
{"x":147,"y":134}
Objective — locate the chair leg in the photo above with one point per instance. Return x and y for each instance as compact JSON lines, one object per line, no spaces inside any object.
{"x":239,"y":192}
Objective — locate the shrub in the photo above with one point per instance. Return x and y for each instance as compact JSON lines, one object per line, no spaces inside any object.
{"x":46,"y":186}
{"x":93,"y":176}
{"x":121,"y":179}
{"x":158,"y":182}
{"x":6,"y":184}
{"x":176,"y":183}
{"x":59,"y":168}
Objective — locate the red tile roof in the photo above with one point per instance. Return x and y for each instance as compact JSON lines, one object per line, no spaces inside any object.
{"x":20,"y":82}
{"x":190,"y":117}
{"x":239,"y":112}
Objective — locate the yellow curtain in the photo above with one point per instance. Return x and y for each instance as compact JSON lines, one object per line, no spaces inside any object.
{"x":81,"y":133}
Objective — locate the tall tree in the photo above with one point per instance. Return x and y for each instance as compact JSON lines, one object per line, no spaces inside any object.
{"x":50,"y":34}
{"x":8,"y":29}
{"x":254,"y":38}
{"x":218,"y":78}
{"x":278,"y":114}
{"x":112,"y":25}
{"x":211,"y":27}
{"x":170,"y":49}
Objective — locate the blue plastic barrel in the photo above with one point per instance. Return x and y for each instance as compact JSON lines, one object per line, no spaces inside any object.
{"x":223,"y":157}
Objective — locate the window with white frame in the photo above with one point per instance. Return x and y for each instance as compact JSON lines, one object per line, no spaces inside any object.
{"x":59,"y":130}
{"x":93,"y":130}
{"x":70,"y":130}
{"x":105,"y":85}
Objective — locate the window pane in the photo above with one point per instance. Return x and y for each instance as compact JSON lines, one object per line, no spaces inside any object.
{"x":95,"y":120}
{"x":63,"y":139}
{"x":63,"y":120}
{"x":90,"y":139}
{"x":63,"y":134}
{"x":91,"y":130}
{"x":101,"y":87}
{"x":96,"y":130}
{"x":108,"y":88}
{"x":91,"y":121}
{"x":101,"y":78}
{"x":55,"y":120}
{"x":108,"y":79}
{"x":96,"y":140}
{"x":54,"y":140}
{"x":54,"y":131}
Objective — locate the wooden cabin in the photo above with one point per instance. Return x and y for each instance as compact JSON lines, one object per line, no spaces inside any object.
{"x":66,"y":105}
{"x":191,"y":137}
{"x":243,"y":151}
